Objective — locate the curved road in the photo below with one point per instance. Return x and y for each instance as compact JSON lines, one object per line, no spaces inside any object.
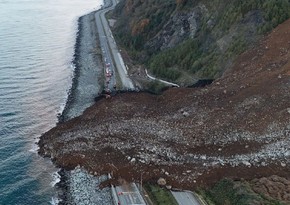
{"x":111,"y":54}
{"x":162,"y":81}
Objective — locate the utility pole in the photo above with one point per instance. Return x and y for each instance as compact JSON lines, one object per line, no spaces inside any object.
{"x":141,"y":183}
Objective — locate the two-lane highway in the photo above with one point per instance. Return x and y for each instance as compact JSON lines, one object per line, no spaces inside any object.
{"x":129,"y":194}
{"x":111,"y":56}
{"x":185,"y":198}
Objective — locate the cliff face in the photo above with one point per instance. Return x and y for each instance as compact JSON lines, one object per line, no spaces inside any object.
{"x":179,"y":27}
{"x":198,"y":38}
{"x":237,"y":127}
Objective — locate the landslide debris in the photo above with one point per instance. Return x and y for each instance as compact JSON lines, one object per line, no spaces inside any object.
{"x":237,"y":127}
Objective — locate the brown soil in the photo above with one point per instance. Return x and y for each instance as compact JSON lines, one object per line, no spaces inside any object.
{"x":275,"y":187}
{"x":238,"y":127}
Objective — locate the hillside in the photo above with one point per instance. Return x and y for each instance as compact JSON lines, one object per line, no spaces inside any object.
{"x":237,"y":127}
{"x":185,"y":40}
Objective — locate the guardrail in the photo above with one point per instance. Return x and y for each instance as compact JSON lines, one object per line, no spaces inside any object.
{"x":163,"y":81}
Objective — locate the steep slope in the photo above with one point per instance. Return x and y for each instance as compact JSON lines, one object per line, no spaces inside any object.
{"x":186,"y":40}
{"x":238,"y":127}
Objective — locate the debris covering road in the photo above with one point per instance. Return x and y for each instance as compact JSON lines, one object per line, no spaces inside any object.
{"x":236,"y":127}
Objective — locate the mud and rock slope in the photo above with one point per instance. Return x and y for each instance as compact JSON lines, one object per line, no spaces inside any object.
{"x":237,"y":127}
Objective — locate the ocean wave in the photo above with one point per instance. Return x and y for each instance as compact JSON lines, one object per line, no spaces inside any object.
{"x":55,"y":201}
{"x":56,"y":178}
{"x":34,"y":148}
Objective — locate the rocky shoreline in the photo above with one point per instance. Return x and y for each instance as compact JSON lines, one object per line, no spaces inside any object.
{"x":78,"y":186}
{"x":88,"y":73}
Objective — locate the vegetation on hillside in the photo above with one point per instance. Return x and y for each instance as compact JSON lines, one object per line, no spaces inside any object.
{"x":139,"y":21}
{"x":160,"y":196}
{"x":155,"y":87}
{"x":129,"y":31}
{"x":229,"y":192}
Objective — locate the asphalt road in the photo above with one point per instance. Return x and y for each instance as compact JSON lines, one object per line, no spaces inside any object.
{"x":110,"y":50}
{"x":129,"y":194}
{"x":185,"y":198}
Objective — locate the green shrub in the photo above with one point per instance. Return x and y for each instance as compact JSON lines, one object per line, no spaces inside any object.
{"x":160,"y":196}
{"x":229,"y":192}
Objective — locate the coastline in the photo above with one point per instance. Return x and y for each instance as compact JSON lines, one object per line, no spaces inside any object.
{"x":184,"y":114}
{"x":87,"y":62}
{"x":78,"y":186}
{"x":88,"y":70}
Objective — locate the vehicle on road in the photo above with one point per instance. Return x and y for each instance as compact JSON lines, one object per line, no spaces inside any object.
{"x":108,"y":72}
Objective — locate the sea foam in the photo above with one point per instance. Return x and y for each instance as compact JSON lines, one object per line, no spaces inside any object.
{"x":56,"y":178}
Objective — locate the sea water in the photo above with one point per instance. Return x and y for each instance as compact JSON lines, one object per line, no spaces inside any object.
{"x":37,"y":40}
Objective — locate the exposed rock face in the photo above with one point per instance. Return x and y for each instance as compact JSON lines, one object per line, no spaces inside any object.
{"x":236,"y":127}
{"x":179,"y":27}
